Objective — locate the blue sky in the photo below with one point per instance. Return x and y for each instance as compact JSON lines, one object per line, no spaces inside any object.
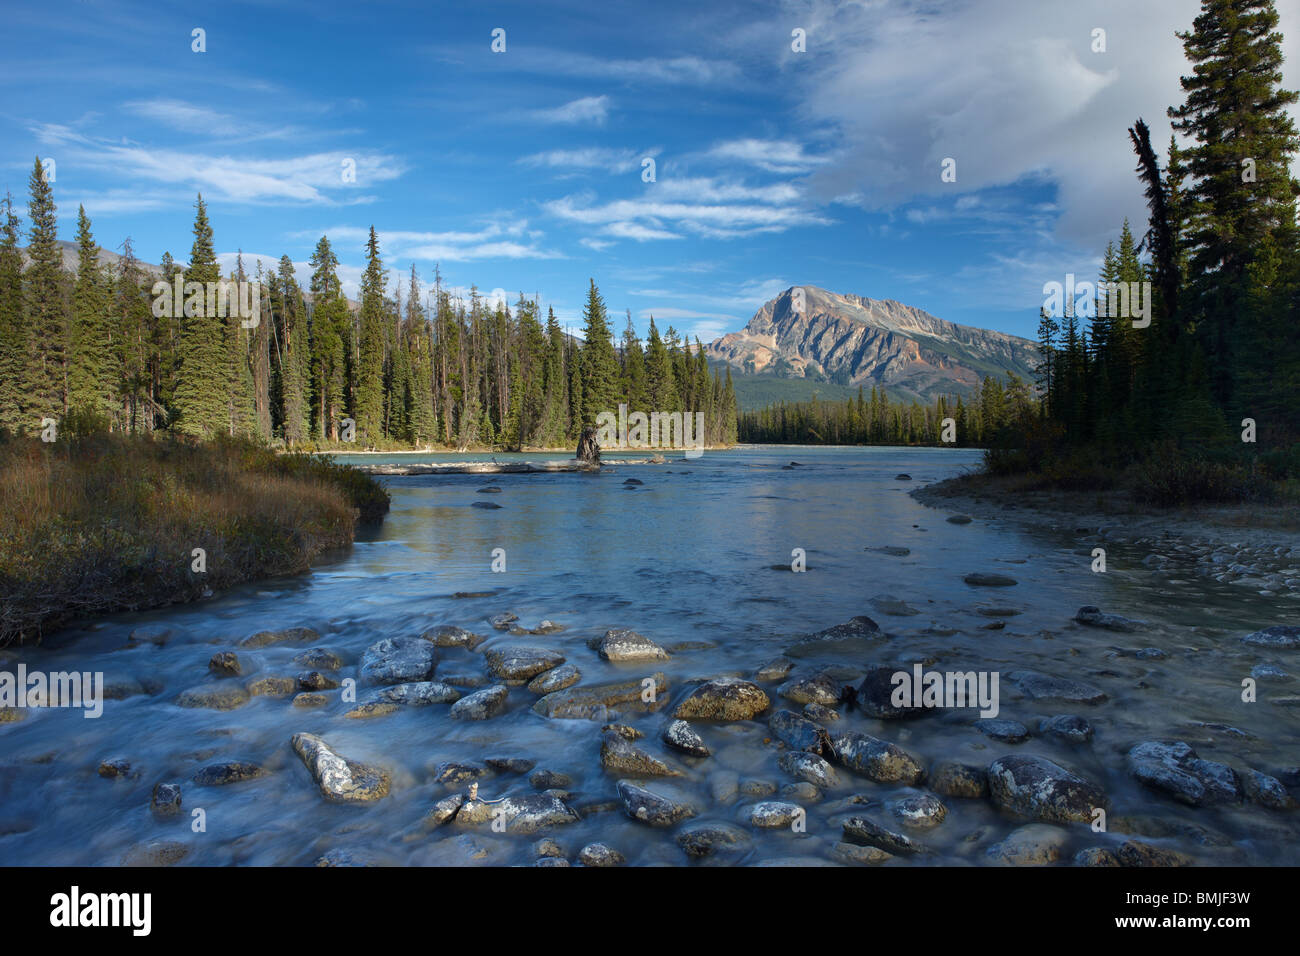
{"x":523,"y":170}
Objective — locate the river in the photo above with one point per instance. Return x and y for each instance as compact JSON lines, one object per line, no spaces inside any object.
{"x":697,"y":558}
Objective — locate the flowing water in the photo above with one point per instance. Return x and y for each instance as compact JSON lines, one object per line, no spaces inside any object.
{"x":686,"y":559}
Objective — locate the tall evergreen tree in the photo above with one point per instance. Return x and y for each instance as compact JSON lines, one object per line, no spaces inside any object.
{"x":47,"y":378}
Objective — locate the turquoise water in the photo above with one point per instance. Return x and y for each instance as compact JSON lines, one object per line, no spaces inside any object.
{"x":685,"y":559}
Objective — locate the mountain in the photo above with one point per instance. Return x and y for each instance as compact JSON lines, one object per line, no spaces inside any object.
{"x":848,"y":340}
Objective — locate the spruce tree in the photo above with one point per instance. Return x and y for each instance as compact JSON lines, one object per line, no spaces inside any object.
{"x":370,"y":366}
{"x":14,"y":335}
{"x":46,"y":384}
{"x":89,"y":371}
{"x":600,"y":371}
{"x":200,"y":402}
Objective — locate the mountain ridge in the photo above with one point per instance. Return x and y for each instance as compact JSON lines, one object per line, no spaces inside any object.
{"x":852,"y":340}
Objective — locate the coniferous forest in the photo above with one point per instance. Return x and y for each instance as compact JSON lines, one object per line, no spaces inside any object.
{"x":418,"y":368}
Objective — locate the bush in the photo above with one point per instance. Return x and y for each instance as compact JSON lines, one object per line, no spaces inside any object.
{"x":109,"y":522}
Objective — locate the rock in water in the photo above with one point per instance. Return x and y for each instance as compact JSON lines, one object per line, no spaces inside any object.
{"x":588,"y":451}
{"x":519,"y":814}
{"x":398,"y":660}
{"x":1093,"y":616}
{"x":982,"y":580}
{"x":1037,"y":788}
{"x":651,"y":808}
{"x":340,"y":780}
{"x":877,"y":759}
{"x":482,"y":704}
{"x":723,"y":698}
{"x":1176,"y":769}
{"x":1281,"y":635}
{"x":621,"y":644}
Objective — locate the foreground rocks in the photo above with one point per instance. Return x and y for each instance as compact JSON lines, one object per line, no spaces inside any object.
{"x":340,"y":780}
{"x":723,"y":698}
{"x":598,"y":701}
{"x":1038,"y":788}
{"x":1176,"y":769}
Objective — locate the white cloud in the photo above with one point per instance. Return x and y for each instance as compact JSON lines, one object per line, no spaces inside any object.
{"x":773,"y":156}
{"x":588,"y":109}
{"x":594,"y":157}
{"x":309,"y":179}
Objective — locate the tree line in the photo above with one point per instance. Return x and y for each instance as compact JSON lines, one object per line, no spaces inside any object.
{"x":878,"y":421}
{"x":1217,"y":370}
{"x":92,"y":350}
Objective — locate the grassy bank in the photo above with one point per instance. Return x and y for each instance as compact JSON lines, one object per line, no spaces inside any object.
{"x":108,"y":522}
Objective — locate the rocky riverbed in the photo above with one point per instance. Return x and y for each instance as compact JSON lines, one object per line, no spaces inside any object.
{"x":641,"y":688}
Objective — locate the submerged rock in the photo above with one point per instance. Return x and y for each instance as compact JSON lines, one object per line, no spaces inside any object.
{"x":519,"y":814}
{"x":1094,"y":617}
{"x":982,"y":579}
{"x":1038,"y":788}
{"x":777,"y":669}
{"x":679,"y":735}
{"x":699,"y":840}
{"x":226,"y":664}
{"x":448,"y":635}
{"x":920,"y":811}
{"x":234,"y":771}
{"x":854,"y":633}
{"x":165,"y":801}
{"x":1007,"y":731}
{"x":340,"y":780}
{"x":482,"y":704}
{"x":1286,"y":636}
{"x":1067,"y":727}
{"x":518,"y":663}
{"x":809,"y":767}
{"x":1046,"y":687}
{"x":557,"y":678}
{"x":1175,"y":769}
{"x":894,"y":607}
{"x":221,"y":696}
{"x":619,"y":755}
{"x":595,"y":701}
{"x":651,"y":808}
{"x":863,"y":832}
{"x":419,"y":694}
{"x":877,"y":759}
{"x":816,"y":689}
{"x":1033,"y":845}
{"x":599,"y":854}
{"x":621,"y":644}
{"x":273,"y":686}
{"x":775,"y":814}
{"x":723,"y":698}
{"x":290,"y":635}
{"x":799,"y":733}
{"x":875,"y":694}
{"x":1132,"y":853}
{"x":155,"y":853}
{"x":952,"y":779}
{"x":398,"y":660}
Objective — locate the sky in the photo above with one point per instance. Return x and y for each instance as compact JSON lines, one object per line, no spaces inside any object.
{"x":688,"y":156}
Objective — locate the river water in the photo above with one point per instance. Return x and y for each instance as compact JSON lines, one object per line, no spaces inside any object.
{"x":686,"y":559}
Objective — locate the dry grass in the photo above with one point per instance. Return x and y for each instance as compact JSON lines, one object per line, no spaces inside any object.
{"x":107,"y":522}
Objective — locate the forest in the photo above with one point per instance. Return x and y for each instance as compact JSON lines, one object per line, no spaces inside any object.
{"x":90,"y":351}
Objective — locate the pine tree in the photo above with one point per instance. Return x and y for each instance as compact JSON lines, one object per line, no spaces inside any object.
{"x":330,"y":335}
{"x":600,"y":372}
{"x":201,"y":398}
{"x":1236,"y":112}
{"x":89,"y":372}
{"x":14,"y":336}
{"x":370,"y":367}
{"x":47,"y":377}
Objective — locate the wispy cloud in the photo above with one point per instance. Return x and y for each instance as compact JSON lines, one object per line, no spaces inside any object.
{"x":588,"y":109}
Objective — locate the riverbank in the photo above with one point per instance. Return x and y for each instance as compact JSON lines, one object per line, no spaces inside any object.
{"x":110,"y":522}
{"x":1251,"y":544}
